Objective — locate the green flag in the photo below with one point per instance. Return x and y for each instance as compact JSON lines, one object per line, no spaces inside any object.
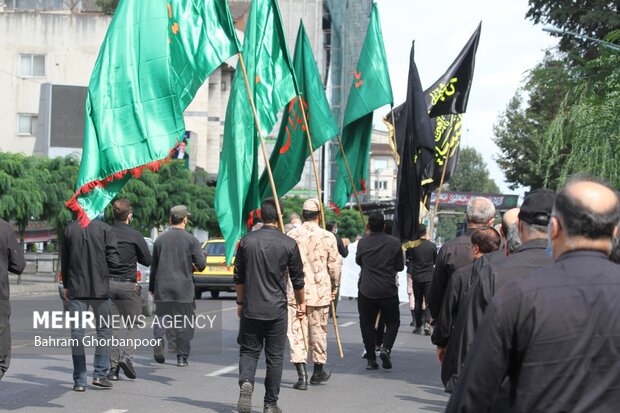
{"x":155,"y":56}
{"x":272,"y":85}
{"x":291,"y":149}
{"x":371,"y":89}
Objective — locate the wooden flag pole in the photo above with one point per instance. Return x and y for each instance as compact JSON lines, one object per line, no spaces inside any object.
{"x":262,"y":142}
{"x":346,"y":164}
{"x":318,"y":189}
{"x":267,"y":166}
{"x":443,"y":175}
{"x":394,"y":140}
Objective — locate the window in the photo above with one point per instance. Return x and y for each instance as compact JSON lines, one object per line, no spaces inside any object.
{"x":380,"y":185}
{"x":380,"y":163}
{"x":26,"y":124}
{"x":32,"y":65}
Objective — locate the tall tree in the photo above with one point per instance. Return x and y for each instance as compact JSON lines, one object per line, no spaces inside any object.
{"x":472,"y":174}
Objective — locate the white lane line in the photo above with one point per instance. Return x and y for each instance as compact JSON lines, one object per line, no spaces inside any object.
{"x":115,"y":411}
{"x":223,"y":371}
{"x":348,"y":324}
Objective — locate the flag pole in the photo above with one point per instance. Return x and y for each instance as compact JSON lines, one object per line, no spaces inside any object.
{"x":346,"y":164}
{"x":318,"y":189}
{"x":262,"y":142}
{"x":394,"y":142}
{"x":267,"y":165}
{"x":443,"y":175}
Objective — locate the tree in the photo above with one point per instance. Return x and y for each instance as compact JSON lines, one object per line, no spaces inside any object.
{"x":595,"y":18}
{"x":350,"y":224}
{"x":108,"y":6}
{"x":520,"y":129}
{"x":471,"y":174}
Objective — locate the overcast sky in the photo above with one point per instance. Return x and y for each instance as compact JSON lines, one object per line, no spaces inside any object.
{"x":509,"y":46}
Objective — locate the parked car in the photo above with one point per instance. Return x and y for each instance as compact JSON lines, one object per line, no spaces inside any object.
{"x":216,"y":276}
{"x":143,"y":275}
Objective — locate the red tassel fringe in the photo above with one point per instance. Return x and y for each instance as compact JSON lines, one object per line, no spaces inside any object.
{"x":136,"y":172}
{"x":336,"y":209}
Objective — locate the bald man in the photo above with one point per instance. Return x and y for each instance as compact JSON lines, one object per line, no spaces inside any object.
{"x":554,"y":334}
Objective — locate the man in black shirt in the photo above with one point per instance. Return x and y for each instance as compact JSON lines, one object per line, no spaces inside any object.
{"x":175,"y":254}
{"x":263,"y":259}
{"x":420,"y":262}
{"x":87,"y":254}
{"x":454,"y":254}
{"x":381,"y":257}
{"x":124,"y":289}
{"x":554,"y":333}
{"x":11,"y":260}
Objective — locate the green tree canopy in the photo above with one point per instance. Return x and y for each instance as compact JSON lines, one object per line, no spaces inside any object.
{"x":472,"y":174}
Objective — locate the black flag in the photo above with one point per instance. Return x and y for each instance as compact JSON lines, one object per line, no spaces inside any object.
{"x":446,"y":101}
{"x":415,"y":147}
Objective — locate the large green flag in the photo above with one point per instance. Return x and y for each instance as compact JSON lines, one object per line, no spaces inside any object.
{"x":291,"y":149}
{"x":371,"y":89}
{"x":272,"y":85}
{"x":155,"y":56}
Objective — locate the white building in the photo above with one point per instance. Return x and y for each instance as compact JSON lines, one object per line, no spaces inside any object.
{"x":382,"y":174}
{"x":46,"y":41}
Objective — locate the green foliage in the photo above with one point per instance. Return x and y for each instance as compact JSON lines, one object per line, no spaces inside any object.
{"x":595,"y":18}
{"x":471,"y":174}
{"x":447,"y":225}
{"x":107,"y":6}
{"x":585,"y":135}
{"x":520,"y":129}
{"x":350,"y":224}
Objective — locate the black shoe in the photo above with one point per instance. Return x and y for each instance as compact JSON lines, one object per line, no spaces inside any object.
{"x":158,"y":353}
{"x":1,"y":374}
{"x":127,"y":367}
{"x":365,"y":355}
{"x":103,"y":383}
{"x":272,"y":408}
{"x":385,"y":359}
{"x":182,"y":361}
{"x":372,"y":364}
{"x":418,"y":330}
{"x":319,"y":375}
{"x":79,"y":388}
{"x":113,"y":374}
{"x":412,"y":316}
{"x":244,"y":405}
{"x":302,"y":377}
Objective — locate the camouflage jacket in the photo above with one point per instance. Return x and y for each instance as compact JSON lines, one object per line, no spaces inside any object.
{"x":322,"y":263}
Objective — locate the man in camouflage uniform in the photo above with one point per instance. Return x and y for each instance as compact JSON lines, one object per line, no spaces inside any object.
{"x":322,"y":264}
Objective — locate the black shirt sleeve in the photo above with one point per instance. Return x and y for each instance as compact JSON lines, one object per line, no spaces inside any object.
{"x":439,"y":283}
{"x":111,"y":248}
{"x":296,"y":269}
{"x":198,"y":256}
{"x":142,"y":251}
{"x":342,"y":250}
{"x":239,"y":271}
{"x":154,"y":266}
{"x":445,"y":320}
{"x":64,"y":259}
{"x":399,"y":263}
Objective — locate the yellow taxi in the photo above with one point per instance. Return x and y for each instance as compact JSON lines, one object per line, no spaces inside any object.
{"x":217,"y":276}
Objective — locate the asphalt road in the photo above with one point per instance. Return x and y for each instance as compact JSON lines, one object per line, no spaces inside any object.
{"x":41,"y":381}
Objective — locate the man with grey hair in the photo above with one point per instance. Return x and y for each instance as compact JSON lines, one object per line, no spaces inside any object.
{"x":533,"y":218}
{"x":510,"y":231}
{"x":455,"y":253}
{"x":553,"y":334}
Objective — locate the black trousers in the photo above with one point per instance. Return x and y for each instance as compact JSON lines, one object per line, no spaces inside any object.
{"x":126,"y":301}
{"x":5,"y":336}
{"x":166,"y":312}
{"x":253,"y":336}
{"x":421,"y":291}
{"x":368,"y":309}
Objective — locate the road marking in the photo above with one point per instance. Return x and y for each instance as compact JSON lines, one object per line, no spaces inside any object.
{"x":115,"y":411}
{"x":348,"y":324}
{"x":223,"y":371}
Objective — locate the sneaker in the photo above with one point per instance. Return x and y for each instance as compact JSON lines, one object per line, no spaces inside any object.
{"x":158,"y":353}
{"x":127,"y":367}
{"x":385,"y":359}
{"x":372,"y":364}
{"x":272,"y":408}
{"x":113,"y":374}
{"x":244,"y":405}
{"x":428,"y":330}
{"x":102,"y":383}
{"x":182,"y":361}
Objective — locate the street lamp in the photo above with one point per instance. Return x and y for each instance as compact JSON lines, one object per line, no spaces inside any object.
{"x":551,"y":29}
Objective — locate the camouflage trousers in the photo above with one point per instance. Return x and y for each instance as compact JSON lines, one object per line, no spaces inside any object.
{"x":315,"y":329}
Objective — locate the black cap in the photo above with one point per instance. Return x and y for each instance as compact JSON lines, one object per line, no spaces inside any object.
{"x":537,"y":206}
